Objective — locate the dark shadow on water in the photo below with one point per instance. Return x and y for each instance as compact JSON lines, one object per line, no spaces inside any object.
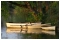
{"x":39,"y":36}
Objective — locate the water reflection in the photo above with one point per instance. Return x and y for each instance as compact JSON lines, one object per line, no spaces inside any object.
{"x":31,"y":30}
{"x":48,"y":32}
{"x":17,"y":33}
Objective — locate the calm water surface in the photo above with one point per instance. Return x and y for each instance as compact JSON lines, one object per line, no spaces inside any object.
{"x":29,"y":34}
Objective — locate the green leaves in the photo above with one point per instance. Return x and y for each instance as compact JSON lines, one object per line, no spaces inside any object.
{"x":20,"y":2}
{"x":32,"y":3}
{"x":4,"y":9}
{"x":4,"y":6}
{"x":53,"y":13}
{"x":30,"y":17}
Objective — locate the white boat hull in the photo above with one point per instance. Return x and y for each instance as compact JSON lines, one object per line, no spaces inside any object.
{"x":49,"y":28}
{"x":29,"y":25}
{"x":24,"y":25}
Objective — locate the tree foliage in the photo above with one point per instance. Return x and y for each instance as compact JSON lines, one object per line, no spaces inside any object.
{"x":32,"y":11}
{"x":4,"y":10}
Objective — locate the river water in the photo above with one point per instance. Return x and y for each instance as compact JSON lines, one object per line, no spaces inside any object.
{"x":30,"y":34}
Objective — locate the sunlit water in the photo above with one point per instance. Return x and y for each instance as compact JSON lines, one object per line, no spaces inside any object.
{"x":29,"y":34}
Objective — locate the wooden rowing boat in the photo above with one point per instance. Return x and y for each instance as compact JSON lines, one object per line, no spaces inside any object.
{"x":30,"y":25}
{"x":24,"y":25}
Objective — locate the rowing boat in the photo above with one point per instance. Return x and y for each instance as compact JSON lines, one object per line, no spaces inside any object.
{"x":49,"y":28}
{"x":24,"y":25}
{"x":30,"y":25}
